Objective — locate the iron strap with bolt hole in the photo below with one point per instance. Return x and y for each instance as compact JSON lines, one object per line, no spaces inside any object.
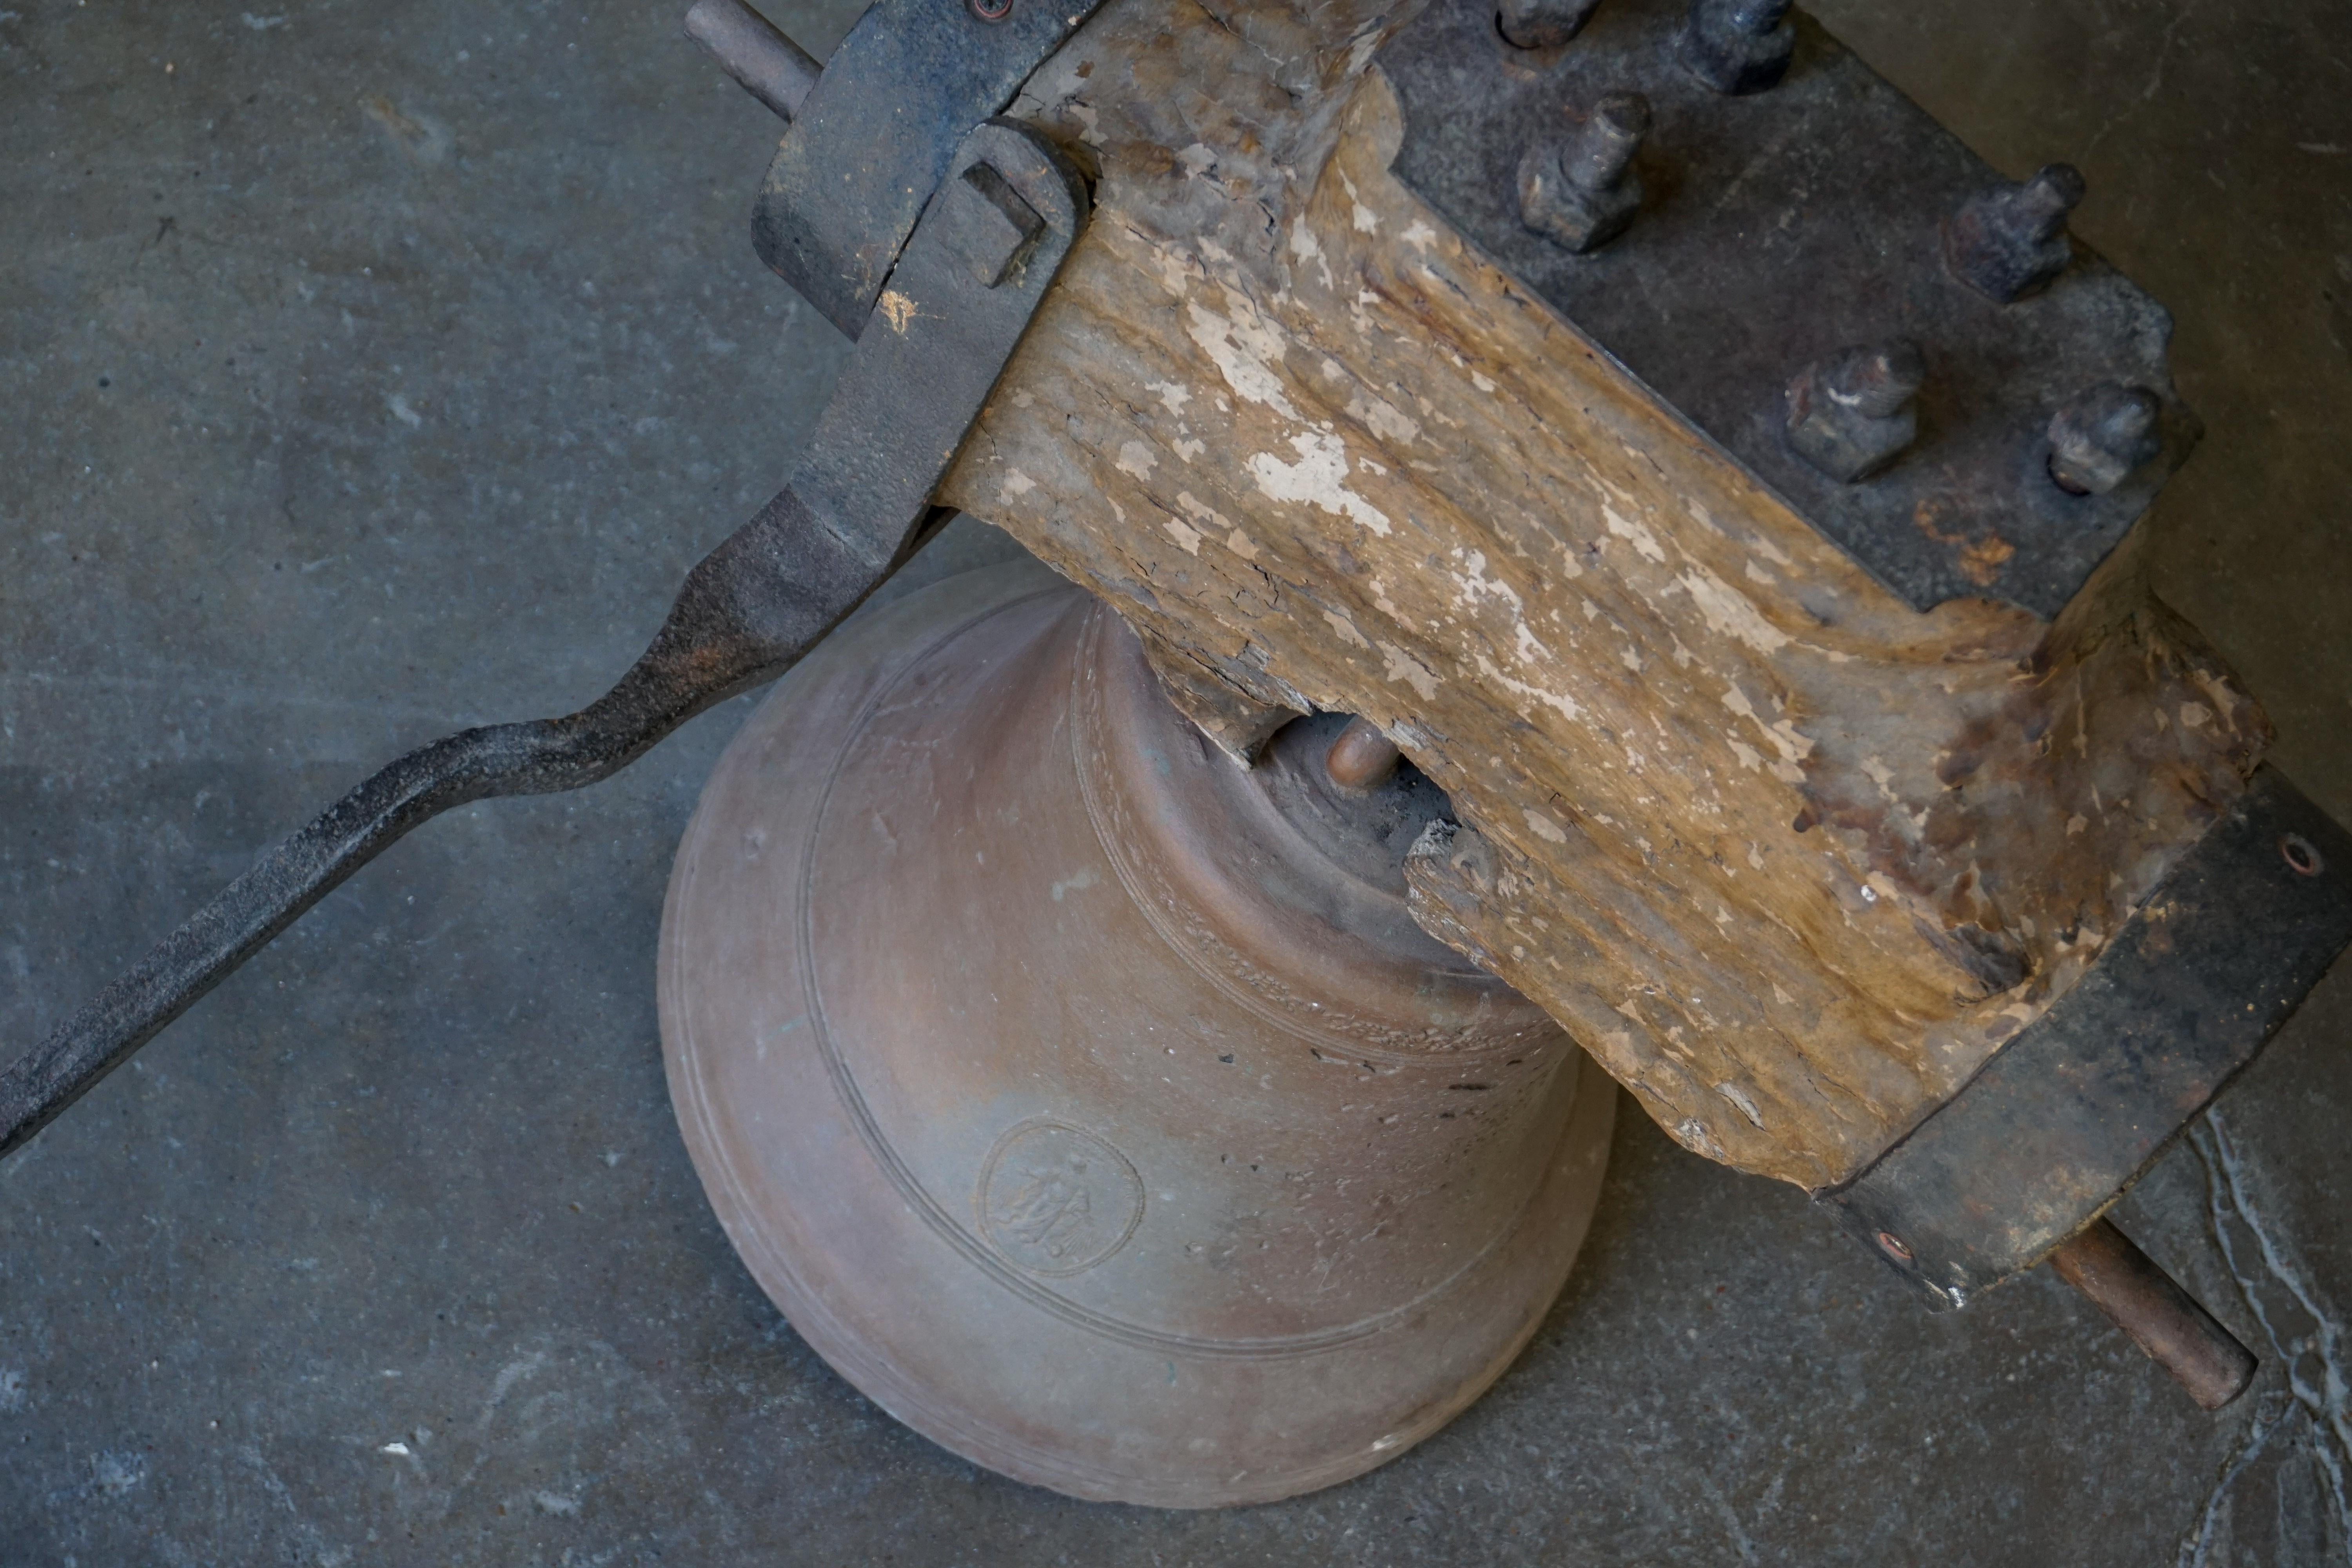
{"x":2067,"y":1114}
{"x":972,"y":276}
{"x":1811,"y":270}
{"x":868,"y":143}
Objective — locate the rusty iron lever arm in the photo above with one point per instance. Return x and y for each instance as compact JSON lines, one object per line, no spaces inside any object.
{"x":971,"y":276}
{"x":747,"y":611}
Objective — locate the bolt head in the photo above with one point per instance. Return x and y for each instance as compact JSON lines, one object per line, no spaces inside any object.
{"x":1737,"y":47}
{"x":1542,"y":24}
{"x":1851,"y":415}
{"x":2102,"y":437}
{"x":2009,"y":243}
{"x":1574,"y":216}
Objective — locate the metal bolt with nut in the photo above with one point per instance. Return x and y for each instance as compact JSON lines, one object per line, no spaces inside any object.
{"x":1739,"y":46}
{"x":1582,"y":193}
{"x":1851,"y":415}
{"x":2009,"y":243}
{"x":2102,"y":437}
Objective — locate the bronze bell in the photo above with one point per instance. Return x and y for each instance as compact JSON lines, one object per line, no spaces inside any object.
{"x":1089,"y":1101}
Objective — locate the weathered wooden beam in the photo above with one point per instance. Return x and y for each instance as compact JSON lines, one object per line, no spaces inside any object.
{"x":1789,"y":858}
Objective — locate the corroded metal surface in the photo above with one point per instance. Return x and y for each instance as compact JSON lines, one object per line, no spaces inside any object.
{"x":2071,"y":1111}
{"x":873,"y":138}
{"x":1782,"y":227}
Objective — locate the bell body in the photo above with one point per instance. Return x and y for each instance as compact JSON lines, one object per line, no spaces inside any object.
{"x":1089,"y":1101}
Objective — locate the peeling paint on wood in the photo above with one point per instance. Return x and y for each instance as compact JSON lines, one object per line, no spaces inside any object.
{"x":1790,"y":859}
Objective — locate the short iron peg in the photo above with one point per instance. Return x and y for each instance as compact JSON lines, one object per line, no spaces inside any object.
{"x":2102,"y":437}
{"x":1850,"y":416}
{"x":2009,"y":243}
{"x":1582,"y":193}
{"x":1739,"y":46}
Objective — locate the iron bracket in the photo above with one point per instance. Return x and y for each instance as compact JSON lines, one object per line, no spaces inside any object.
{"x":2069,"y":1113}
{"x":873,"y":138}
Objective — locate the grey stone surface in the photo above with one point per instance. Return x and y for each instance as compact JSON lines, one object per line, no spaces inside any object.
{"x":369,"y":371}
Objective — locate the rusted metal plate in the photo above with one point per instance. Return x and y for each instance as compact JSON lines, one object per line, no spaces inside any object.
{"x":1776,"y":230}
{"x":2070,"y":1112}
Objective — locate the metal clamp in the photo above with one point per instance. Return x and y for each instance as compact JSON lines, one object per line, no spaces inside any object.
{"x":872,"y":139}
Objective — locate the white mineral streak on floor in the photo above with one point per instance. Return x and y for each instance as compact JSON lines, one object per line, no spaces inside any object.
{"x":2305,"y":1334}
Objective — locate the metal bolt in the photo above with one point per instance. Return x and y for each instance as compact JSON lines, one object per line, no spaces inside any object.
{"x":2300,"y":855}
{"x":1580,"y":193}
{"x":1362,"y":757}
{"x":1851,"y":415}
{"x":1892,"y":1245}
{"x":1542,"y":24}
{"x":989,"y":224}
{"x":2161,"y":1318}
{"x":1738,"y":46}
{"x":2009,"y":243}
{"x":2098,"y":439}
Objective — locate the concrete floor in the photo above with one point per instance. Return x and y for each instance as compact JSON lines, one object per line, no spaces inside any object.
{"x":369,"y":371}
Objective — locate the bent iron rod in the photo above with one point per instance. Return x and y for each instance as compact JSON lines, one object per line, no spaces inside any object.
{"x":858,"y":504}
{"x":747,"y":612}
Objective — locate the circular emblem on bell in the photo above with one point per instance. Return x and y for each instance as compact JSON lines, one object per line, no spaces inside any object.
{"x":1055,"y":1200}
